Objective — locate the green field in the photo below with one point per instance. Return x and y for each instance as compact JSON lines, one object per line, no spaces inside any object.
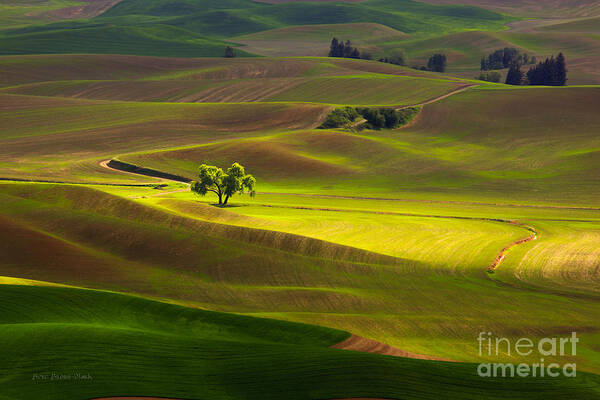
{"x":369,"y":261}
{"x":203,"y":350}
{"x":201,"y":28}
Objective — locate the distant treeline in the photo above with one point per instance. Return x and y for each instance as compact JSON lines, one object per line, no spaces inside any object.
{"x":551,"y":72}
{"x":387,"y":118}
{"x":375,"y":118}
{"x":436,"y":63}
{"x":340,"y":49}
{"x":504,"y":58}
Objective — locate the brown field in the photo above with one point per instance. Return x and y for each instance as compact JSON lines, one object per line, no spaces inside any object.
{"x":95,"y":130}
{"x":31,"y":69}
{"x":534,"y":8}
{"x":89,"y":9}
{"x":358,"y":343}
{"x":579,"y":25}
{"x":314,"y":40}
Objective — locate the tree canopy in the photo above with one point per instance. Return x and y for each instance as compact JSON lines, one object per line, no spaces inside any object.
{"x":514,"y":76}
{"x":229,"y":53}
{"x":505,"y":58}
{"x":341,"y":49}
{"x":223,"y":184}
{"x":437,"y":63}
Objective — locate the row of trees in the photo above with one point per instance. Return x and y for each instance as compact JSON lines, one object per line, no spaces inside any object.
{"x":386,"y":118}
{"x":551,"y":72}
{"x":505,"y":58}
{"x":436,"y":63}
{"x":376,"y":118}
{"x":341,"y":49}
{"x":340,"y":118}
{"x":397,"y":59}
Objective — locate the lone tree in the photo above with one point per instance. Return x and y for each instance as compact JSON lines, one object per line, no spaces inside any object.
{"x":437,"y":63}
{"x":213,"y":179}
{"x":229,"y":53}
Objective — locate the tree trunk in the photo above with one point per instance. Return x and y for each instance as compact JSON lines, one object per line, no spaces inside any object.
{"x":226,"y":199}
{"x":220,"y":199}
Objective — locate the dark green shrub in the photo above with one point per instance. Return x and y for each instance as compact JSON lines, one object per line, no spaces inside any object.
{"x":339,"y":118}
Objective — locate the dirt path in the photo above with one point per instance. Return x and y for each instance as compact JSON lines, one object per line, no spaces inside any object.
{"x":442,"y":97}
{"x":500,"y":257}
{"x":359,"y":343}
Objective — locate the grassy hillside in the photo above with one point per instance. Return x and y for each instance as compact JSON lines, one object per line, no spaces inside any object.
{"x":284,"y":93}
{"x":366,"y":89}
{"x":41,"y":69}
{"x":581,"y":25}
{"x":534,"y":8}
{"x":460,"y":155}
{"x":198,"y":29}
{"x":124,"y":352}
{"x":155,"y":40}
{"x":448,"y":152}
{"x":146,"y":289}
{"x":174,"y":252}
{"x":90,"y":131}
{"x":14,"y":13}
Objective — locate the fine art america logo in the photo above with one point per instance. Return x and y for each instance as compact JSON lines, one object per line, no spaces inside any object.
{"x":490,"y":345}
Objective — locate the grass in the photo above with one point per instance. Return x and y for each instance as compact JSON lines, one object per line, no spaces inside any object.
{"x":124,"y":352}
{"x":453,"y":239}
{"x":581,"y":25}
{"x":566,"y":258}
{"x":190,"y":29}
{"x":133,"y":125}
{"x":460,"y":156}
{"x":234,"y":268}
{"x":15,"y":14}
{"x":448,"y":153}
{"x":369,"y":89}
{"x":158,"y":40}
{"x":285,"y":97}
{"x":67,"y":71}
{"x":533,"y":9}
{"x":384,"y":234}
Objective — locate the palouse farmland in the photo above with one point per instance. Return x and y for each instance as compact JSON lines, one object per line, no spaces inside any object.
{"x":370,"y":261}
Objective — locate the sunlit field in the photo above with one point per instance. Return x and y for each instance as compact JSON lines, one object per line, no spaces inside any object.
{"x":368,"y":260}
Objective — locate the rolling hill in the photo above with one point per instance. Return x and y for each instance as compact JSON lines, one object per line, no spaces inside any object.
{"x":368,"y":263}
{"x":200,"y":28}
{"x":111,"y":344}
